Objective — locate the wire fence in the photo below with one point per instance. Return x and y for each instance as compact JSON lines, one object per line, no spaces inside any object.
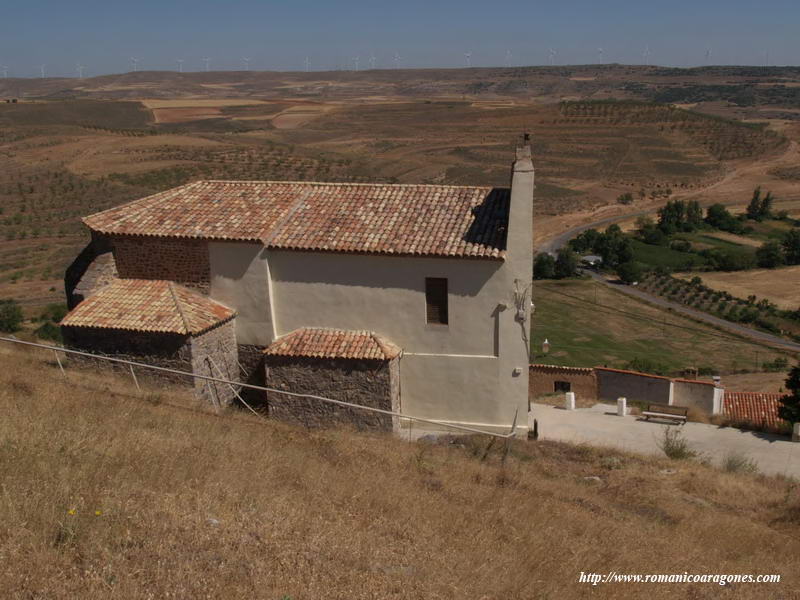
{"x":237,"y":386}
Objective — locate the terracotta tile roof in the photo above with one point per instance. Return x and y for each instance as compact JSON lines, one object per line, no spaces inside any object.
{"x":140,"y":305}
{"x":423,"y":220}
{"x":631,"y":373}
{"x":560,"y":369}
{"x":333,"y":343}
{"x":697,"y":381}
{"x":753,"y":407}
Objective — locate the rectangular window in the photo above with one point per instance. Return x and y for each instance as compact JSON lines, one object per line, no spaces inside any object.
{"x":561,"y":386}
{"x":436,"y":300}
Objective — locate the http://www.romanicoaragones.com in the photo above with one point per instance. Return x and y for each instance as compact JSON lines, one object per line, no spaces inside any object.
{"x":685,"y":577}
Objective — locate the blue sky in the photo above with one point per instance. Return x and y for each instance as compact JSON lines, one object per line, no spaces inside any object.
{"x":104,"y":35}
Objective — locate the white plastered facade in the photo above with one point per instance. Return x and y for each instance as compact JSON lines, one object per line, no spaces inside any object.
{"x":474,"y":370}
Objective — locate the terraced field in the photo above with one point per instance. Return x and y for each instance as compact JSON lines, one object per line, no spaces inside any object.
{"x":588,"y":324}
{"x":65,"y":159}
{"x":586,"y":152}
{"x":779,"y":286}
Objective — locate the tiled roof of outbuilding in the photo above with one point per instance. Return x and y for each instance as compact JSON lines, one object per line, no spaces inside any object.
{"x":626,"y":372}
{"x":753,"y":407}
{"x":142,"y":305}
{"x":422,"y":220}
{"x":560,"y":369}
{"x":313,"y":342}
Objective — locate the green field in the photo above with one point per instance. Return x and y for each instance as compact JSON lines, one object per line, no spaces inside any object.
{"x":662,"y":256}
{"x":588,"y":324}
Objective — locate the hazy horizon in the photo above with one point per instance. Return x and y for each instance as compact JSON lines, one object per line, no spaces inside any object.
{"x":433,"y":68}
{"x":274,"y":36}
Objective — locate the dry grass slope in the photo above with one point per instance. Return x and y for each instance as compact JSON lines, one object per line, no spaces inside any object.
{"x":108,"y":494}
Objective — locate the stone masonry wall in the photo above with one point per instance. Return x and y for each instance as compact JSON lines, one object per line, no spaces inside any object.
{"x":543,"y":379}
{"x":169,"y":350}
{"x":213,"y":352}
{"x":96,"y":256}
{"x":367,"y":383}
{"x":183,"y":261}
{"x":636,"y":387}
{"x":251,"y":361}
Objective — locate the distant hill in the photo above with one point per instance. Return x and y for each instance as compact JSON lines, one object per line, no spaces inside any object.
{"x":744,"y":86}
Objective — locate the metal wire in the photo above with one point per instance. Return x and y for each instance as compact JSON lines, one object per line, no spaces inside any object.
{"x":266,"y":389}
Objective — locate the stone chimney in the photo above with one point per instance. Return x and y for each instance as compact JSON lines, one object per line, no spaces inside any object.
{"x":520,"y":221}
{"x":516,"y":275}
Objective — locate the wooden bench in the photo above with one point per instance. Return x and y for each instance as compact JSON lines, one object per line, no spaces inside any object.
{"x":666,"y":411}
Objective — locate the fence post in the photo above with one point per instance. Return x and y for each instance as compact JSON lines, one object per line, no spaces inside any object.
{"x":508,"y":439}
{"x":194,"y":376}
{"x":60,"y":366}
{"x":136,"y":381}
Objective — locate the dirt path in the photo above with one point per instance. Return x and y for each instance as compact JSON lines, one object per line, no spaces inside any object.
{"x":733,"y":189}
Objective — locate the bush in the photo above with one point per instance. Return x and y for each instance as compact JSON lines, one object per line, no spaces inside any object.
{"x":769,"y":255}
{"x":789,"y":409}
{"x":718,"y":217}
{"x":566,"y":263}
{"x":681,"y":246}
{"x":779,"y":364}
{"x":724,"y":260}
{"x":544,"y":267}
{"x":738,"y":463}
{"x":791,"y":247}
{"x":645,"y":365}
{"x":10,"y":316}
{"x":54,"y":313}
{"x":49,"y":331}
{"x":675,"y":446}
{"x":630,"y":272}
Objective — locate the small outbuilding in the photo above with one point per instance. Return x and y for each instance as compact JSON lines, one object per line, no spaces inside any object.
{"x":160,"y":323}
{"x":359,"y":367}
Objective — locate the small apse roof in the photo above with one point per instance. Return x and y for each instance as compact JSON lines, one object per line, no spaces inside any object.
{"x":313,"y":342}
{"x":152,"y":306}
{"x":421,"y":220}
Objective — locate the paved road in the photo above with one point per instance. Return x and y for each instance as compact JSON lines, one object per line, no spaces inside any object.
{"x":761,"y":336}
{"x":600,"y":426}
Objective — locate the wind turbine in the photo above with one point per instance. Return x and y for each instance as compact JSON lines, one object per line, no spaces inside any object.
{"x":468,"y":57}
{"x":135,"y":63}
{"x":372,"y":60}
{"x":207,"y":61}
{"x":600,"y":55}
{"x":308,"y":64}
{"x":708,"y":55}
{"x":246,"y":62}
{"x":41,"y":68}
{"x":766,"y":58}
{"x":79,"y":68}
{"x":355,"y":62}
{"x":5,"y":72}
{"x":508,"y":58}
{"x":396,"y":60}
{"x":646,"y":55}
{"x":552,"y":53}
{"x":180,"y":64}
